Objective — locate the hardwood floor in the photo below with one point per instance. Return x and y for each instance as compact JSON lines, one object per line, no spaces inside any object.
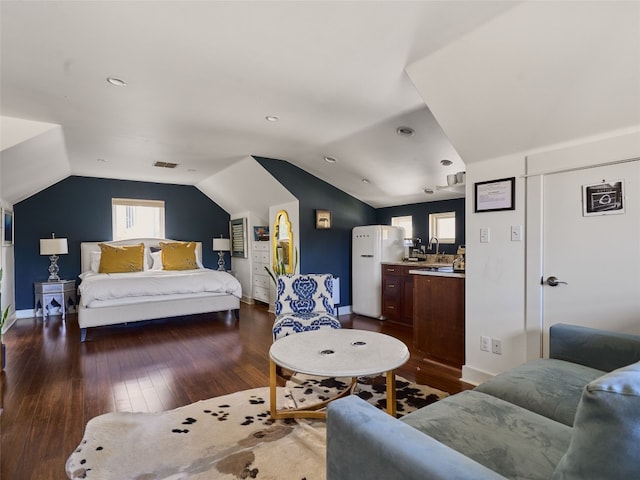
{"x":53,"y":384}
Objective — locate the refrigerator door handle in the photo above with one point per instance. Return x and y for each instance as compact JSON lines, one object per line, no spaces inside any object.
{"x":367,"y":256}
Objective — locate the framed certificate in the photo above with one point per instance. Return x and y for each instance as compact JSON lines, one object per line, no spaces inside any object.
{"x":495,"y":195}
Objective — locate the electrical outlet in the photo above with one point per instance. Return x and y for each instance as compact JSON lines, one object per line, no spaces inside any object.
{"x":496,"y":346}
{"x":516,"y":233}
{"x":484,"y":235}
{"x":485,"y":344}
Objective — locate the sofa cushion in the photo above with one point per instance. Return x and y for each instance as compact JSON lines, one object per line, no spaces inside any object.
{"x":594,"y":348}
{"x":508,"y":439}
{"x":546,"y":386}
{"x":606,"y":431}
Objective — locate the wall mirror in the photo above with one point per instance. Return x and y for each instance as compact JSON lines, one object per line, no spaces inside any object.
{"x":282,"y":244}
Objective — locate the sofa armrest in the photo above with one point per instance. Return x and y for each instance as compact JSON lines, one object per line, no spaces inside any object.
{"x":365,"y":442}
{"x":599,"y":349}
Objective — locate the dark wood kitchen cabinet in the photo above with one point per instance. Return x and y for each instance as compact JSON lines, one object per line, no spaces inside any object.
{"x":438,"y":318}
{"x":397,"y":294}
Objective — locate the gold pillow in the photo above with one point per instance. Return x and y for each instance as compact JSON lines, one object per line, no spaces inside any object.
{"x":178,"y":255}
{"x":119,"y":259}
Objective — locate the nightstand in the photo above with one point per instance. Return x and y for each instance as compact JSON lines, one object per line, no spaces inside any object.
{"x":54,"y":298}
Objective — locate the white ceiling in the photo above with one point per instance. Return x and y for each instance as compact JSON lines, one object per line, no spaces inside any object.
{"x":202,"y":76}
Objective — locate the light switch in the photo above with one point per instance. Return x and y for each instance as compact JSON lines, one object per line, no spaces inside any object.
{"x":484,"y":235}
{"x":516,"y":233}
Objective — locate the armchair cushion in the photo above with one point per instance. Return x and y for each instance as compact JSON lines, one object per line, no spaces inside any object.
{"x":305,"y":302}
{"x":302,"y":322}
{"x":300,"y":294}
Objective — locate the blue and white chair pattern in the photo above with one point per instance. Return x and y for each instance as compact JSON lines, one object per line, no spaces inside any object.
{"x":304,"y":302}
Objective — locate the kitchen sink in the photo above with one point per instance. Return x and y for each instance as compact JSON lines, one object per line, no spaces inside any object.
{"x":439,"y":267}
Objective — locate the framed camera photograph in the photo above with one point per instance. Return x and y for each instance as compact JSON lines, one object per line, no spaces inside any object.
{"x":603,"y":198}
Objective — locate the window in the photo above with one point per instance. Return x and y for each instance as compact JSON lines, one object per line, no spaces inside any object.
{"x":406,"y":223}
{"x":443,"y":226}
{"x":133,"y":218}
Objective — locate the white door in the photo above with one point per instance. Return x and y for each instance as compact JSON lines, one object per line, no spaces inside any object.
{"x":594,"y":258}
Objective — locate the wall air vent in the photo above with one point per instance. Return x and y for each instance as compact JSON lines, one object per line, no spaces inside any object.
{"x":165,"y":164}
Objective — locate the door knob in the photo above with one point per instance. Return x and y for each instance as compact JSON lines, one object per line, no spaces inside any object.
{"x":553,"y":282}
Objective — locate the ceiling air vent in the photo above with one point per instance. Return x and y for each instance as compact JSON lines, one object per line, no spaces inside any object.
{"x":165,"y":164}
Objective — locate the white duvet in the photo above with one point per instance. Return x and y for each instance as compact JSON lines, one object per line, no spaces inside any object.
{"x":111,"y":286}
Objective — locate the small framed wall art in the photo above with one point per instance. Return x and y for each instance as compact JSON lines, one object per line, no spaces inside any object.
{"x":7,"y":227}
{"x":238,"y":229}
{"x":605,"y":198}
{"x":495,"y":195}
{"x":323,"y":219}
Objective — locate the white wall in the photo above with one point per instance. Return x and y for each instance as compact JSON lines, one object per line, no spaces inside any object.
{"x":496,"y":271}
{"x":494,"y":275}
{"x":8,"y":269}
{"x":245,"y":186}
{"x":243,"y":267}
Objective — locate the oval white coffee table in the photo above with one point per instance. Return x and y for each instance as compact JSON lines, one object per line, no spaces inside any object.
{"x":336,"y":353}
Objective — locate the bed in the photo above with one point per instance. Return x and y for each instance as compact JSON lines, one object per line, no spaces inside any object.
{"x":116,"y":298}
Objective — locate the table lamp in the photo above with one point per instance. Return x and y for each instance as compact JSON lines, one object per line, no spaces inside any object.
{"x":221,"y":245}
{"x":53,"y":246}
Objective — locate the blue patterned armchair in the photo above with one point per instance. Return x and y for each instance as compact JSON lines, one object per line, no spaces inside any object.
{"x":304,"y":302}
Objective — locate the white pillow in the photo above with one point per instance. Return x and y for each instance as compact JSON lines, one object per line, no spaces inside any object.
{"x":95,"y":261}
{"x":156,"y":258}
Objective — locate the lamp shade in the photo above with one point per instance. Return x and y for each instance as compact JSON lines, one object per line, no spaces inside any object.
{"x":221,"y":244}
{"x":53,"y":246}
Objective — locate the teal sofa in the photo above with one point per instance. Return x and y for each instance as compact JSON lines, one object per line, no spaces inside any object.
{"x":573,"y":416}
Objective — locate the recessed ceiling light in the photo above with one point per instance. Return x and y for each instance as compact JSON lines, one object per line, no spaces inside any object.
{"x":428,"y":191}
{"x":446,"y":162}
{"x":405,"y":131}
{"x":272,"y":118}
{"x":116,"y":81}
{"x":330,"y":159}
{"x":365,"y":180}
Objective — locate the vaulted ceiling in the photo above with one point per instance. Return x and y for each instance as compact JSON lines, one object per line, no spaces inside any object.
{"x":474,"y":80}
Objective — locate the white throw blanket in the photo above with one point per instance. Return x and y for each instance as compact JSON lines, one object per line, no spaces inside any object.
{"x":110,"y":286}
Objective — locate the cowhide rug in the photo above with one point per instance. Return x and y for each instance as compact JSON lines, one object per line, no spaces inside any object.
{"x":228,"y":437}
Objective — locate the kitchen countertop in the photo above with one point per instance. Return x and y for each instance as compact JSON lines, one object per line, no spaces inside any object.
{"x":420,"y":268}
{"x":436,"y":273}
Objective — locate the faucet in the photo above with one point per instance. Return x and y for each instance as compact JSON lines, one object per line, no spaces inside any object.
{"x":430,"y":246}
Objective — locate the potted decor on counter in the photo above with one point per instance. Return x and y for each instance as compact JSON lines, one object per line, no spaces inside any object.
{"x":3,"y":319}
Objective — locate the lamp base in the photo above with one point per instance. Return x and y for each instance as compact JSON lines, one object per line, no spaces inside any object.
{"x":53,"y":269}
{"x":221,"y":262}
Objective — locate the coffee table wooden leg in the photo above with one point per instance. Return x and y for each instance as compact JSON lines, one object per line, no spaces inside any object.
{"x":391,"y":393}
{"x":272,"y":388}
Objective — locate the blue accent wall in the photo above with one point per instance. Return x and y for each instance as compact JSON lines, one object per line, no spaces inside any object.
{"x":79,"y":209}
{"x":323,"y":251}
{"x":420,"y":213}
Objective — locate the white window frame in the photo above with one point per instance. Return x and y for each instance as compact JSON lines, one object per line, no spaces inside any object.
{"x":434,"y":218}
{"x":136,"y":202}
{"x":402,"y":222}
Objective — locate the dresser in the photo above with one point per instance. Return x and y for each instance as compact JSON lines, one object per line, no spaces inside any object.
{"x":261,"y":279}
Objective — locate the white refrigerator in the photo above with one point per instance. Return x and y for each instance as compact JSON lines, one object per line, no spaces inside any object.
{"x":372,"y":245}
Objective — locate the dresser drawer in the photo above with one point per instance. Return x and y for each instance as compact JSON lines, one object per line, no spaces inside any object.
{"x":261,"y":281}
{"x":261,"y":293}
{"x":262,"y":246}
{"x":262,"y":257}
